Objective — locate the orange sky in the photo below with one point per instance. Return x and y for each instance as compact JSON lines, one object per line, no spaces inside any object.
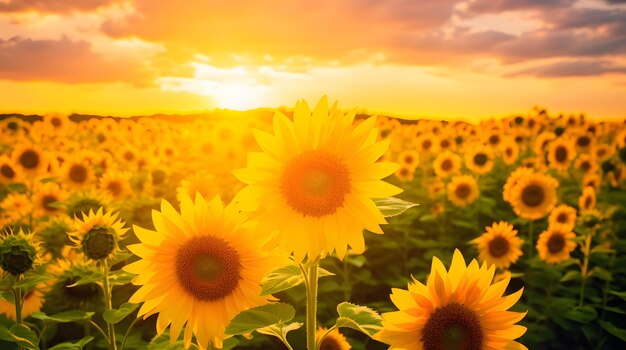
{"x":434,"y":58}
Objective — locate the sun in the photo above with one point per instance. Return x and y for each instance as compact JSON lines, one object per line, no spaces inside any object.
{"x":239,"y":96}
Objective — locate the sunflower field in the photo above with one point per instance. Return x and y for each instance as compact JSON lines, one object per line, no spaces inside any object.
{"x":312,"y":228}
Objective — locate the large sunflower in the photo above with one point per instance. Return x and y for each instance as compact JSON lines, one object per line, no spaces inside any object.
{"x":200,"y":268}
{"x":555,"y":244}
{"x":534,"y":196}
{"x":456,"y":309}
{"x":463,"y":190}
{"x":316,"y":179}
{"x":499,"y":245}
{"x":563,"y":215}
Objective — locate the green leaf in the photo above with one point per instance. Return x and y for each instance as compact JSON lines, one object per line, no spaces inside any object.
{"x":32,"y":281}
{"x":601,"y":273}
{"x":356,"y":260}
{"x":72,"y":346}
{"x":280,"y":330}
{"x":613,"y":329}
{"x":357,"y":317}
{"x":21,"y":335}
{"x":392,"y":206}
{"x":116,"y":315}
{"x":261,"y":317}
{"x":619,"y":294}
{"x":571,"y":276}
{"x":121,"y":277}
{"x":48,"y":179}
{"x":65,"y":316}
{"x":602,"y":250}
{"x":584,"y":314}
{"x":286,"y":278}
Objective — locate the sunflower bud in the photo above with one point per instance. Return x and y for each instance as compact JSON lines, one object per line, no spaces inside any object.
{"x":99,"y":242}
{"x":17,"y":254}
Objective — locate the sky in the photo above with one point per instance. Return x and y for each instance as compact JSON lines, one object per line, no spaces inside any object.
{"x":430,"y":58}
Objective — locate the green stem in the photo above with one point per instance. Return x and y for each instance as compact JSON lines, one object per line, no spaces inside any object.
{"x":531,"y":238}
{"x":95,"y":325}
{"x":107,"y":304}
{"x":128,"y":333}
{"x":17,"y":295}
{"x":311,"y":305}
{"x":585,"y":267}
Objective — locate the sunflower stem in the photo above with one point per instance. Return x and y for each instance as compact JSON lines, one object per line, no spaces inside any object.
{"x":17,"y":295}
{"x":311,"y":305}
{"x":128,"y":333}
{"x":107,"y":303}
{"x":586,"y":250}
{"x":531,"y":238}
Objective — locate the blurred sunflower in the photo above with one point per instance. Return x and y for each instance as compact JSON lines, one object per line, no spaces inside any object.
{"x":560,"y":154}
{"x":115,"y":184}
{"x":30,"y":159}
{"x":447,"y":164}
{"x":32,"y":302}
{"x":510,"y":151}
{"x":463,"y":190}
{"x":47,"y":198}
{"x":586,"y":163}
{"x":587,"y":200}
{"x":334,"y":340}
{"x":9,"y":172}
{"x":456,"y":309}
{"x":409,"y":158}
{"x":98,"y":234}
{"x":563,"y":215}
{"x":64,"y":294}
{"x":405,"y":173}
{"x":534,"y":196}
{"x":555,"y":244}
{"x":201,"y":267}
{"x":202,"y":182}
{"x":16,"y":206}
{"x":76,"y":173}
{"x":479,"y":159}
{"x":427,"y":143}
{"x":593,"y":180}
{"x":584,"y":142}
{"x":436,"y":188}
{"x":57,"y":124}
{"x":53,"y":236}
{"x":542,"y":141}
{"x":316,"y":179}
{"x":499,"y":245}
{"x":603,"y":151}
{"x":79,"y":205}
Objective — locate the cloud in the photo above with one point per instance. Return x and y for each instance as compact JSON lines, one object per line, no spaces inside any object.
{"x":64,"y":61}
{"x":495,"y":6}
{"x":573,"y":69}
{"x":54,"y":6}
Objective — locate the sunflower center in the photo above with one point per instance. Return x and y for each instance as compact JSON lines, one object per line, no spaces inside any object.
{"x":446,"y":165}
{"x":315,"y":183}
{"x":114,"y":187}
{"x":494,"y":139}
{"x":560,"y":154}
{"x":29,"y":159}
{"x":462,"y":191}
{"x":99,"y":242}
{"x":509,"y":152}
{"x":46,"y":202}
{"x":408,"y":159}
{"x":404,"y":172}
{"x":78,"y":173}
{"x":556,"y":243}
{"x":7,"y":171}
{"x":562,"y":218}
{"x":445,"y":144}
{"x":587,"y":202}
{"x":453,"y":327}
{"x":498,"y":246}
{"x":426,"y":145}
{"x":208,"y":268}
{"x":583,"y":141}
{"x":533,"y":195}
{"x":330,"y":343}
{"x":128,"y":155}
{"x":480,"y":159}
{"x":56,"y":122}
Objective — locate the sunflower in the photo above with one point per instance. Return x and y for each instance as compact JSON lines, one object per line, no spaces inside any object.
{"x":447,"y":164}
{"x":316,"y":179}
{"x":560,"y":154}
{"x":64,"y":295}
{"x":456,"y":309}
{"x":405,"y":173}
{"x":427,"y":143}
{"x":534,"y":196}
{"x":463,"y":190}
{"x":584,"y":142}
{"x":57,"y":124}
{"x":517,"y":175}
{"x":333,"y":340}
{"x":97,"y":235}
{"x":479,"y":160}
{"x":77,"y":173}
{"x":30,"y":159}
{"x":593,"y":180}
{"x":510,"y":151}
{"x":436,"y":188}
{"x":115,"y":184}
{"x":9,"y":172}
{"x":587,"y":200}
{"x":555,"y":244}
{"x":32,"y":302}
{"x":53,"y":236}
{"x":563,"y":215}
{"x":542,"y":141}
{"x":80,"y":204}
{"x":200,"y":267}
{"x":46,"y":199}
{"x":586,"y":164}
{"x":15,"y":206}
{"x":409,"y":158}
{"x":499,"y":245}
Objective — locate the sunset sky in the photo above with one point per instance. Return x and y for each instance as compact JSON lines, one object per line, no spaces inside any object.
{"x":427,"y":58}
